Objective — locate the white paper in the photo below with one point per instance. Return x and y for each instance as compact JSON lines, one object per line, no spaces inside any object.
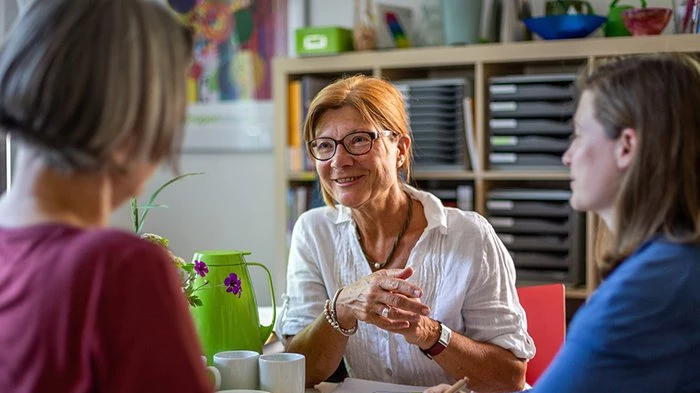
{"x":243,"y":125}
{"x":354,"y":385}
{"x":469,"y":133}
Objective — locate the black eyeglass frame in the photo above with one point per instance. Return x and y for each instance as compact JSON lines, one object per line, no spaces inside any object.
{"x":374,"y":135}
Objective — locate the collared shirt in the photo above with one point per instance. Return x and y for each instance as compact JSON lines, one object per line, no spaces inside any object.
{"x":639,"y":331}
{"x":465,"y":271}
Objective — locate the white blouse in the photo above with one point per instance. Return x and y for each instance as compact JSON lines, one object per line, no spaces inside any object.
{"x":465,"y":271}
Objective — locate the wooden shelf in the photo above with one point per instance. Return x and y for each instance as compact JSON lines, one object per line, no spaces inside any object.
{"x":576,"y":293}
{"x":301,"y":176}
{"x":309,"y":176}
{"x":419,"y":174}
{"x":469,"y":55}
{"x":526,"y":175}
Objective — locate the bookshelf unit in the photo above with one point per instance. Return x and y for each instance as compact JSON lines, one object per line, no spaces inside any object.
{"x":477,"y":63}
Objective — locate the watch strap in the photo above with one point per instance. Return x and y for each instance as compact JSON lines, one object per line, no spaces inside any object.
{"x":441,"y":344}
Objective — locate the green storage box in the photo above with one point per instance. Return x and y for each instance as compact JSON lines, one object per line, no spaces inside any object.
{"x":313,"y":41}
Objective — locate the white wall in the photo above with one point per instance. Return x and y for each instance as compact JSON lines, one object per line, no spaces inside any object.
{"x":340,"y":12}
{"x":8,"y":13}
{"x":228,"y":207}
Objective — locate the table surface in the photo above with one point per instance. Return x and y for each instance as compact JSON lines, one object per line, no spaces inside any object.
{"x":274,"y":345}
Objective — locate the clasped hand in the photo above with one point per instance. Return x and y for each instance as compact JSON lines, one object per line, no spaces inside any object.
{"x":387,"y":300}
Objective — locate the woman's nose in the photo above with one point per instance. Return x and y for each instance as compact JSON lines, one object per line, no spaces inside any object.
{"x":341,"y":157}
{"x":566,"y":157}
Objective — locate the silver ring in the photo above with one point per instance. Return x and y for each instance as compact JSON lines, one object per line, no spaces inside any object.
{"x":385,"y":312}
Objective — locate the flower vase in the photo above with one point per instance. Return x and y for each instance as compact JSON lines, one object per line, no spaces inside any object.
{"x":228,"y":317}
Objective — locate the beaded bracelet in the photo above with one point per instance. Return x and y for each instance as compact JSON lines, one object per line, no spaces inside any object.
{"x":331,"y":317}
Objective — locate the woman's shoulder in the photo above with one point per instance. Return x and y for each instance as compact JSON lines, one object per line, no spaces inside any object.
{"x":451,"y":218}
{"x":111,"y":239}
{"x":668,"y":266}
{"x":319,"y":212}
{"x":323,"y":216}
{"x":71,"y":237}
{"x":470,"y":221}
{"x":671,"y":269}
{"x":662,"y":246}
{"x":83,"y":253}
{"x":650,"y":295}
{"x":114,"y":246}
{"x":660,"y":255}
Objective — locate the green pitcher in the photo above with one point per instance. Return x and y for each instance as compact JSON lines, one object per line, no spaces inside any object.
{"x":228,"y":317}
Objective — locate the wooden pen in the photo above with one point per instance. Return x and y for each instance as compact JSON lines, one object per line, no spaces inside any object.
{"x":454,"y":388}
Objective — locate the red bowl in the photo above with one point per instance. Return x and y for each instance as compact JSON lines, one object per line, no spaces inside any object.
{"x":646,"y":21}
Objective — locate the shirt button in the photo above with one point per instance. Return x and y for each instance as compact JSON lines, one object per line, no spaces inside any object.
{"x":389,"y":372}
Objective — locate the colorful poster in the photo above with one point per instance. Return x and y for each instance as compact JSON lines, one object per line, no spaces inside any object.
{"x":235,"y":43}
{"x":230,"y":83}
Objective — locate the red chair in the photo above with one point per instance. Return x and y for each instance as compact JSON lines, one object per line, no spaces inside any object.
{"x":545,"y":308}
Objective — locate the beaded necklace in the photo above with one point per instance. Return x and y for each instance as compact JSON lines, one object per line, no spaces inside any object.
{"x":376,"y":264}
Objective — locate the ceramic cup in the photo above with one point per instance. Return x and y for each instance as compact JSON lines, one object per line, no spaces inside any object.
{"x":215,"y":374}
{"x":239,"y":369}
{"x":461,"y":21}
{"x":282,"y":372}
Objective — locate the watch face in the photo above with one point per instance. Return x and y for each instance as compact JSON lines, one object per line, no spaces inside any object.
{"x":445,"y":335}
{"x":441,"y":344}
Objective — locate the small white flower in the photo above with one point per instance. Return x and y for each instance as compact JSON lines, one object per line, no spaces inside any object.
{"x":156,"y":239}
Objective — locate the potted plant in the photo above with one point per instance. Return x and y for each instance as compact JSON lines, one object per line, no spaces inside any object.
{"x":188,"y":271}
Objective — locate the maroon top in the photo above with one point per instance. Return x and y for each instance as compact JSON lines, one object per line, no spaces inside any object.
{"x":92,"y":311}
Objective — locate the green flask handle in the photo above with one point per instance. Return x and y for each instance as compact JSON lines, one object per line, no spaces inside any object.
{"x":266,"y":331}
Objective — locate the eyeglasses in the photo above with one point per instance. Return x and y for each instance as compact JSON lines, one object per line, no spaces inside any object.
{"x":355,"y":143}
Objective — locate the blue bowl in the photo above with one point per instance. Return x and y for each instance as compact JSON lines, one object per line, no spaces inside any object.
{"x":556,"y":27}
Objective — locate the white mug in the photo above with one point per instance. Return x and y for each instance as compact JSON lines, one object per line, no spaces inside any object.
{"x":239,"y":369}
{"x":214,"y":373}
{"x":283,"y":372}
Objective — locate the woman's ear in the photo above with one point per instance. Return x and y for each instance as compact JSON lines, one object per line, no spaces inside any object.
{"x":403,"y":145}
{"x":122,"y":153}
{"x":626,"y":148}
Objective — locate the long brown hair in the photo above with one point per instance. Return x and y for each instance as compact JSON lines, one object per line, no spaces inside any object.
{"x":657,"y":96}
{"x":379,"y":103}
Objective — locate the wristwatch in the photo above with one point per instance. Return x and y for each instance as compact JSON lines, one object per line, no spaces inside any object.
{"x":441,"y":344}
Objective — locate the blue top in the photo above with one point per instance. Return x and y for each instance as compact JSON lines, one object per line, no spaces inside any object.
{"x":639,"y":332}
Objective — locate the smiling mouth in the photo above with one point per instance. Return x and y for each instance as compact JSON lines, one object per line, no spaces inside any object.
{"x":343,"y":180}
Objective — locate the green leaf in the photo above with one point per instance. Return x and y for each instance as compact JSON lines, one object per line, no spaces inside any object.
{"x":195,"y":301}
{"x":135,"y":214}
{"x":139,"y":222}
{"x":189,"y":268}
{"x":146,"y":207}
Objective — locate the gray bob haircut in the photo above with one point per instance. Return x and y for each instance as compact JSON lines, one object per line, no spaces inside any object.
{"x":79,"y":78}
